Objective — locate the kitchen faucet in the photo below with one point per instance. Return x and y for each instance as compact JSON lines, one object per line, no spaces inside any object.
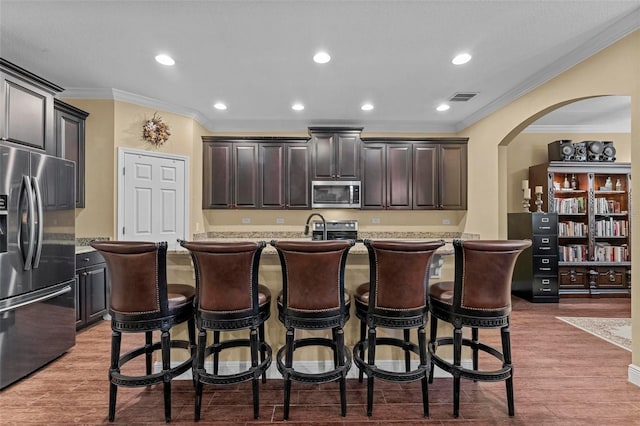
{"x":324,"y":225}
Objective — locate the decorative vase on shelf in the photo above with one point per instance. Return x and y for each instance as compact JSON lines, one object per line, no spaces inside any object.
{"x":608,"y":184}
{"x":618,"y":185}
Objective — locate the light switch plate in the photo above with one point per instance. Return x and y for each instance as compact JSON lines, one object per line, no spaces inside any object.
{"x":279,"y":220}
{"x":375,"y":220}
{"x":246,"y":220}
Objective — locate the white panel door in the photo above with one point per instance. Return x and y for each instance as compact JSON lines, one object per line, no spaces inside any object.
{"x":154,"y":198}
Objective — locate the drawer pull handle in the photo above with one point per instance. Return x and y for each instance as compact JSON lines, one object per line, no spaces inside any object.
{"x":546,"y":289}
{"x":545,"y":281}
{"x":545,"y":260}
{"x":544,"y":219}
{"x":545,"y":227}
{"x":545,"y":248}
{"x":545,"y":240}
{"x":545,"y":269}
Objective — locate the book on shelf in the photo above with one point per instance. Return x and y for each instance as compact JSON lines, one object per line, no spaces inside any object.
{"x":605,"y":252}
{"x":569,"y":205}
{"x":605,"y":206}
{"x":568,"y":228}
{"x":612,"y":228}
{"x":573,"y":253}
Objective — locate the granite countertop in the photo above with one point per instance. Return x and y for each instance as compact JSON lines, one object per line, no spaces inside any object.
{"x":358,"y":248}
{"x":82,"y":244}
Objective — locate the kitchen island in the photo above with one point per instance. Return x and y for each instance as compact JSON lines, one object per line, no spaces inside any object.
{"x":180,"y":270}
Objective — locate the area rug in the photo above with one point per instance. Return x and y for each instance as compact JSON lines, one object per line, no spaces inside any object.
{"x":613,"y":330}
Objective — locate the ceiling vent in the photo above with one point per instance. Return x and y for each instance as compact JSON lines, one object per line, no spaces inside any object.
{"x":462,"y":97}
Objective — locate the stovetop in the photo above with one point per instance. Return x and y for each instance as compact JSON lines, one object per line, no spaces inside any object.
{"x":336,"y":230}
{"x":336,"y":225}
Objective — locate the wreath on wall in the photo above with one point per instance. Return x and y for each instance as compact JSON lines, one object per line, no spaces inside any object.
{"x":155,"y":131}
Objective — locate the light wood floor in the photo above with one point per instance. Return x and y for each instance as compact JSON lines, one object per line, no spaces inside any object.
{"x":563,"y":376}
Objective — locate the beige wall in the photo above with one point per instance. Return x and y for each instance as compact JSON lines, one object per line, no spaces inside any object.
{"x":528,"y":149}
{"x":613,"y":71}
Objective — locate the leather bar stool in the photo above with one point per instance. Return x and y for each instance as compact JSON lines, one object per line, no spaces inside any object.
{"x":395,"y":297}
{"x":141,"y":301}
{"x":479,"y":297}
{"x":313,"y":298}
{"x":229,"y":298}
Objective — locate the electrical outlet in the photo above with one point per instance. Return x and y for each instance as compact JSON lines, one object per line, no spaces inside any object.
{"x":446,"y":222}
{"x":375,"y":220}
{"x":279,"y":220}
{"x":246,"y":220}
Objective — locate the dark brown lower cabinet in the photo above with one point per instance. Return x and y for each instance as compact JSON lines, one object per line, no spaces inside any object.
{"x":92,"y":289}
{"x":596,"y":279}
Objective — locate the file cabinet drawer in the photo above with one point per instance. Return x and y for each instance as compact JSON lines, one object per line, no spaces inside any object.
{"x":545,"y":245}
{"x":545,"y":286}
{"x":545,"y":265}
{"x":544,"y":224}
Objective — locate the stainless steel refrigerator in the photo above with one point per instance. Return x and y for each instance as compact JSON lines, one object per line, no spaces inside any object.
{"x":37,"y":260}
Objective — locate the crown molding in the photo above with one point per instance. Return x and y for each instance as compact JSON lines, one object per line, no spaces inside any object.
{"x":602,"y":128}
{"x":600,"y":41}
{"x":132,"y":98}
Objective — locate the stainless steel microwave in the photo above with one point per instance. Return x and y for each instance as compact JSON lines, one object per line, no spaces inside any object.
{"x":335,"y":194}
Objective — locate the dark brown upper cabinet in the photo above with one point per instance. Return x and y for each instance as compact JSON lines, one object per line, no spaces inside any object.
{"x":284,"y":175}
{"x":386,"y":176}
{"x":440,"y":176}
{"x":26,"y":108}
{"x":270,"y":173}
{"x":335,"y":153}
{"x":70,"y":141}
{"x":230,"y":175}
{"x":414,"y":173}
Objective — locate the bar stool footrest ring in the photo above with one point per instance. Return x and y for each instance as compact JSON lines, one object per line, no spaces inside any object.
{"x":340,"y":372}
{"x":488,"y":376}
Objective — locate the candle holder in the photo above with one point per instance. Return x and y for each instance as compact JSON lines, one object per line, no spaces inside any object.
{"x":538,"y":202}
{"x":525,"y":201}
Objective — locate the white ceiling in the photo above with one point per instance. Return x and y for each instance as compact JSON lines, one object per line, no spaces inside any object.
{"x":256,"y":56}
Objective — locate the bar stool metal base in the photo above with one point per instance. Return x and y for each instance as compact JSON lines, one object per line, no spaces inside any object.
{"x":338,"y":373}
{"x":253,"y":373}
{"x":421,"y":372}
{"x":475,"y":374}
{"x":165,"y":376}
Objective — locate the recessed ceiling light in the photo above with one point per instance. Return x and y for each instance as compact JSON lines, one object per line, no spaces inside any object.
{"x":460,"y":59}
{"x":165,"y":60}
{"x":443,"y":107}
{"x":297,"y":107}
{"x":220,"y":106}
{"x":366,"y":107}
{"x":321,"y":58}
